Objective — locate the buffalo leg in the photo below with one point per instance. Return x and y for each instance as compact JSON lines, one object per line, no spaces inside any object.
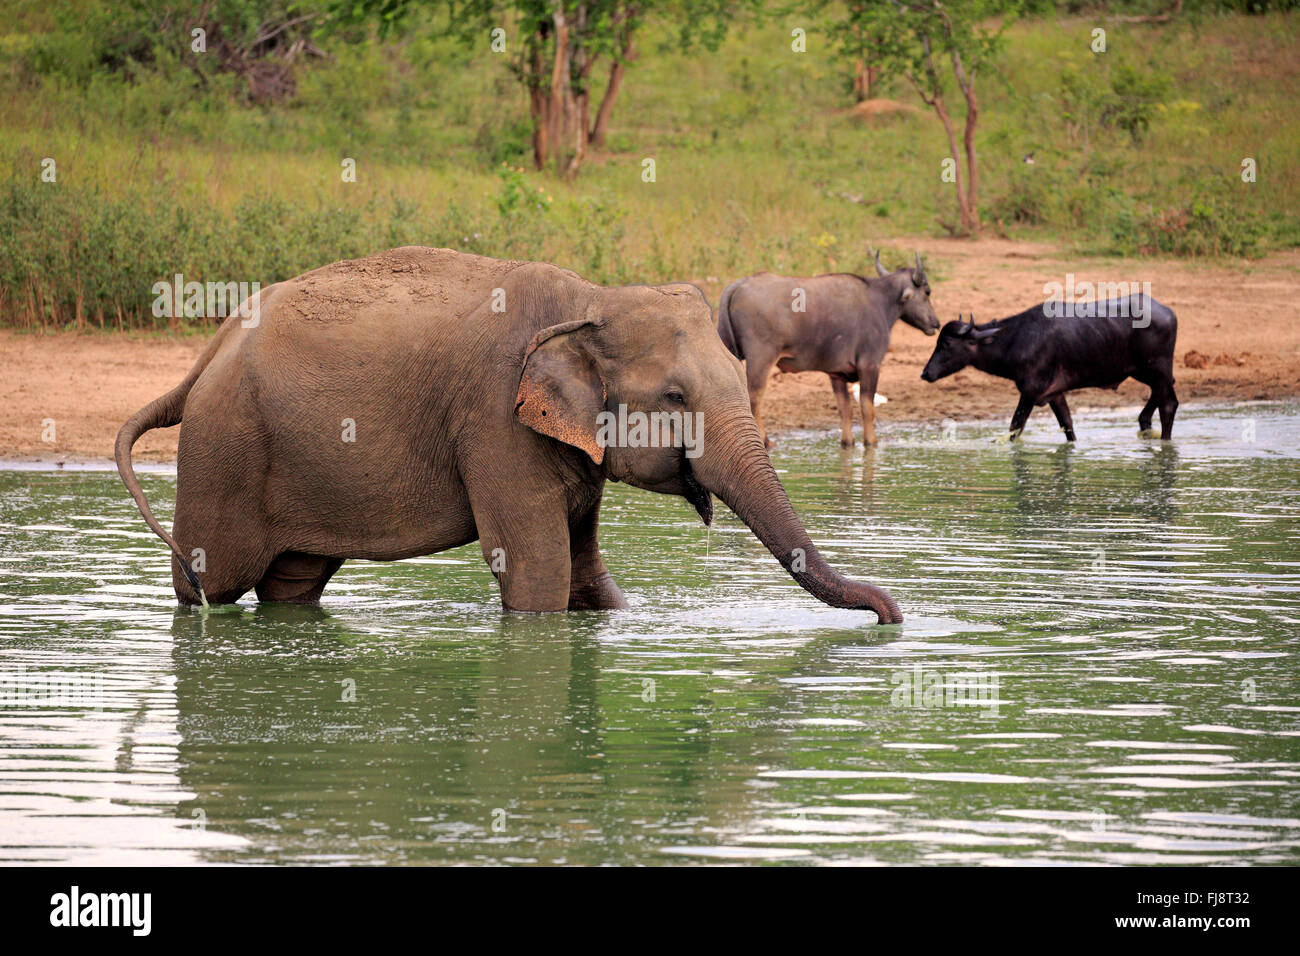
{"x":1062,"y":411}
{"x":1144,"y":416}
{"x":1168,"y":406}
{"x":867,"y":397}
{"x":840,"y":386}
{"x":757,"y":371}
{"x":1023,"y":411}
{"x":1159,"y":375}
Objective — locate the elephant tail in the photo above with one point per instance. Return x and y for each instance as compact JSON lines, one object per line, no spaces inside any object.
{"x":163,"y":412}
{"x":725,"y":329}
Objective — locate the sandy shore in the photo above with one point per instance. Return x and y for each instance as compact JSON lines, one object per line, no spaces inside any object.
{"x":1238,"y":338}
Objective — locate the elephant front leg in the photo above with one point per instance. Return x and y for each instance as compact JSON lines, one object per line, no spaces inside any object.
{"x":526,"y":546}
{"x":591,"y":586}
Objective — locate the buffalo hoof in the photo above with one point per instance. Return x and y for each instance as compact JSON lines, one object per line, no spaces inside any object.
{"x":1148,"y":433}
{"x":1010,"y":437}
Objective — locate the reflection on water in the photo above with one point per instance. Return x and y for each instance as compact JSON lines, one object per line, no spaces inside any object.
{"x":1098,"y":665}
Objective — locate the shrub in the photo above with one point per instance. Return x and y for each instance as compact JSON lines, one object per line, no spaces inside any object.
{"x":1213,"y":223}
{"x":1134,"y":97}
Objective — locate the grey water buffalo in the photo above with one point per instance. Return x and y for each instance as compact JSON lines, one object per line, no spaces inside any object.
{"x":1047,"y":354}
{"x":838,"y":324}
{"x":420,"y":399}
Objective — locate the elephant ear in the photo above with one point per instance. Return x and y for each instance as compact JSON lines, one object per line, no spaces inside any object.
{"x":560,"y":391}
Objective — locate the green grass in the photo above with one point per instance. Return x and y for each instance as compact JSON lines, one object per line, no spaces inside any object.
{"x":755,"y":150}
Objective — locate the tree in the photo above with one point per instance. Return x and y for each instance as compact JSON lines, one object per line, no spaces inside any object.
{"x":864,"y":73}
{"x":258,"y":40}
{"x":554,"y":49}
{"x":912,"y":39}
{"x":562,"y":45}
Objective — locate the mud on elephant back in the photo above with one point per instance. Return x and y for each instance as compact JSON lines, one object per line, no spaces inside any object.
{"x":419,"y":399}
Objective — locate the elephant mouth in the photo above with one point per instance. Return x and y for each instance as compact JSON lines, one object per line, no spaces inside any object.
{"x":697,"y":494}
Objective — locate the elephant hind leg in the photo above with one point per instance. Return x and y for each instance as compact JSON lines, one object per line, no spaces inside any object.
{"x":223,"y":584}
{"x":228,"y":564}
{"x":297,"y":578}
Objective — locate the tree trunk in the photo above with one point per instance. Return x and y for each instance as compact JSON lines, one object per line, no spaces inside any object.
{"x":970,"y":206}
{"x":962,"y":200}
{"x":606,"y":108}
{"x":934,"y":99}
{"x":560,"y":88}
{"x":863,"y":77}
{"x":966,"y":83}
{"x":576,"y":110}
{"x":537,"y":101}
{"x":537,"y":110}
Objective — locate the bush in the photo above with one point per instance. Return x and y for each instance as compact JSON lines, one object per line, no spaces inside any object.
{"x":1134,"y":97}
{"x":1214,"y":223}
{"x":77,"y":257}
{"x":508,"y":143}
{"x":1028,"y":199}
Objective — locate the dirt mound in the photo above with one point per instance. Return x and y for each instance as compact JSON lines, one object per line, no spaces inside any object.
{"x":1195,"y":359}
{"x":869,"y":110}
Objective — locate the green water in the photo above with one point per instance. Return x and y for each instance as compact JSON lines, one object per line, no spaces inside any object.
{"x":1127,"y":609}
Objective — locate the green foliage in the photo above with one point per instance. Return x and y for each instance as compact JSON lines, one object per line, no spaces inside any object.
{"x":597,"y":232}
{"x":77,"y":258}
{"x":518,"y":195}
{"x":760,"y":164}
{"x":1213,"y":223}
{"x":1134,"y":96}
{"x":918,"y":39}
{"x":1153,"y":8}
{"x":503,"y":141}
{"x":102,"y":37}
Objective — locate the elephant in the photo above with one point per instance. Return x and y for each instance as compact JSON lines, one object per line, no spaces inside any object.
{"x":420,"y":399}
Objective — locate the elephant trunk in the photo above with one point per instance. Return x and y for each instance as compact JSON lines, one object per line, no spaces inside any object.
{"x":734,"y":466}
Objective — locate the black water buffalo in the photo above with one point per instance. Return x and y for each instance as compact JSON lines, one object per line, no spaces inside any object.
{"x":1047,"y":353}
{"x":838,"y":324}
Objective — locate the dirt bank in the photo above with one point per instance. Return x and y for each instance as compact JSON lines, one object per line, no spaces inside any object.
{"x":1238,"y":338}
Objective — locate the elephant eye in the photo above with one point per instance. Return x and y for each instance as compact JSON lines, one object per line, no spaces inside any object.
{"x":673,"y":395}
